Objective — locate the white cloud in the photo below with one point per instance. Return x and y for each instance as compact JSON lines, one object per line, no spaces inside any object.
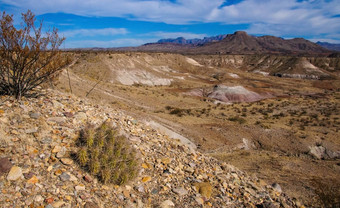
{"x":94,"y":32}
{"x":324,"y":40}
{"x":123,"y":42}
{"x":151,"y":10}
{"x":284,"y":18}
{"x":161,"y":34}
{"x":331,"y":38}
{"x":275,"y":17}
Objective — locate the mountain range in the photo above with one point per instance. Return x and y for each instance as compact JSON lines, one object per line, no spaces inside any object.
{"x":329,"y":46}
{"x":238,"y":43}
{"x":196,"y":41}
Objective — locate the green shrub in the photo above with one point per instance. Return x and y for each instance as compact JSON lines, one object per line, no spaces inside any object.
{"x":106,"y":155}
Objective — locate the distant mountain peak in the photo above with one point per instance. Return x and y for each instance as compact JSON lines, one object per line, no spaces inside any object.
{"x":240,"y":33}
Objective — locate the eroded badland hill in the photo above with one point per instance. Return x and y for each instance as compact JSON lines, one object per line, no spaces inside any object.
{"x":276,"y":117}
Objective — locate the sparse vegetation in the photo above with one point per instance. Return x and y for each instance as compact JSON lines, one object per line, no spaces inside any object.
{"x":106,"y":155}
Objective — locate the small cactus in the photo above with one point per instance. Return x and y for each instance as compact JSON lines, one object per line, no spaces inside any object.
{"x":94,"y":152}
{"x":107,"y":155}
{"x":106,"y":175}
{"x":90,"y":138}
{"x":94,"y":167}
{"x":82,"y":157}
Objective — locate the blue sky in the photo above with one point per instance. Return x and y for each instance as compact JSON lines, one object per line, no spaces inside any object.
{"x":116,"y":23}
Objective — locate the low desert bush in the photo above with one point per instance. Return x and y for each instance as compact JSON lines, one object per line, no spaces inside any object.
{"x":106,"y":155}
{"x":237,"y":119}
{"x":178,"y":111}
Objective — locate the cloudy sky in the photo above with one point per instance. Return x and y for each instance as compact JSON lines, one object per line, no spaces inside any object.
{"x":115,"y":23}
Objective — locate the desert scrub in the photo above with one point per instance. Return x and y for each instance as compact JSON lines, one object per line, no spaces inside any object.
{"x":106,"y":155}
{"x":178,"y":111}
{"x":237,"y":119}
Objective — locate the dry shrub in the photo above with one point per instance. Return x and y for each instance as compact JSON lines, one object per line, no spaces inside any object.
{"x":28,"y":58}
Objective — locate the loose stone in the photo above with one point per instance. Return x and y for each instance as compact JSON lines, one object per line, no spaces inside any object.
{"x":64,"y":176}
{"x":167,"y":204}
{"x":180,"y":191}
{"x":5,"y":165}
{"x":15,"y":173}
{"x":66,"y":161}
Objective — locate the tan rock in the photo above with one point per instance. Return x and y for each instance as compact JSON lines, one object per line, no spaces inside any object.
{"x":167,"y":204}
{"x":80,"y":117}
{"x":66,"y":161}
{"x":68,"y":198}
{"x":126,"y":193}
{"x":32,"y":150}
{"x":57,"y":104}
{"x":205,"y":189}
{"x":61,"y":153}
{"x":33,"y":180}
{"x":146,"y":179}
{"x":15,"y":132}
{"x":58,"y":204}
{"x":166,"y":160}
{"x":15,"y":173}
{"x":145,"y":166}
{"x":56,"y":119}
{"x":73,"y":178}
{"x":199,"y":200}
{"x":58,"y":172}
{"x":56,"y":149}
{"x":80,"y":187}
{"x":180,"y":191}
{"x":189,"y":170}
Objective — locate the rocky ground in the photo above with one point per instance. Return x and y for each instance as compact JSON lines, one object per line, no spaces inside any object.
{"x":37,"y":141}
